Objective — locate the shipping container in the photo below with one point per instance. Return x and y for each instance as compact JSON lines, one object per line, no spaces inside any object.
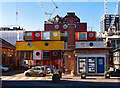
{"x":55,"y":35}
{"x":37,"y":35}
{"x":88,"y":44}
{"x":91,"y":36}
{"x":37,"y":55}
{"x":46,"y":35}
{"x":39,"y":45}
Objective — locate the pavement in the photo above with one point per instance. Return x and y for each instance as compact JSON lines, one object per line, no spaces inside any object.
{"x":17,"y":80}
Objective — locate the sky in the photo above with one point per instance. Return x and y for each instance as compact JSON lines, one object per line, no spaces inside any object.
{"x":31,"y":16}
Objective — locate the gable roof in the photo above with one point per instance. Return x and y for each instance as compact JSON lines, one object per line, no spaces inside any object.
{"x":5,"y":44}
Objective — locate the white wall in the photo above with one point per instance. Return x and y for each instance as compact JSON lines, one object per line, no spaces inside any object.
{"x":12,"y":36}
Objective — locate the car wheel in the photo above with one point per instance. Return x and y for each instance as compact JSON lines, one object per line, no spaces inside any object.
{"x":41,"y":75}
{"x":27,"y":74}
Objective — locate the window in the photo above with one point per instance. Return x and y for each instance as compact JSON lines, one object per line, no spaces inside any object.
{"x":37,"y":34}
{"x":55,"y":34}
{"x":65,"y":26}
{"x":56,"y":26}
{"x":55,"y":53}
{"x":45,"y":35}
{"x":75,"y":19}
{"x":46,"y":55}
{"x":38,"y":69}
{"x":66,"y":19}
{"x":11,"y":59}
{"x":82,"y":36}
{"x":91,"y":44}
{"x":34,"y":68}
{"x":48,"y":63}
{"x":28,"y":34}
{"x":46,"y":44}
{"x":91,"y":35}
{"x":29,"y":44}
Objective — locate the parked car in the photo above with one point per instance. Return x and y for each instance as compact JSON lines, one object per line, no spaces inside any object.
{"x":38,"y":71}
{"x":4,"y":68}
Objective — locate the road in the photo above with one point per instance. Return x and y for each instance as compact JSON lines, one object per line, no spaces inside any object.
{"x":67,"y":81}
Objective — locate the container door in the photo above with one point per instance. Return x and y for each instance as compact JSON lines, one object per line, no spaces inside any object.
{"x":100,"y":65}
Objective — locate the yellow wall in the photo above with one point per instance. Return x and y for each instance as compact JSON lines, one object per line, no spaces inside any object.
{"x":39,"y":45}
{"x":58,"y":37}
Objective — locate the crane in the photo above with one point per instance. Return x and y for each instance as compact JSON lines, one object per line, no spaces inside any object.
{"x":49,"y":15}
{"x":105,"y":5}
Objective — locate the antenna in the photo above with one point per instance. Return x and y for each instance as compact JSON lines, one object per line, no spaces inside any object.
{"x":16,"y":13}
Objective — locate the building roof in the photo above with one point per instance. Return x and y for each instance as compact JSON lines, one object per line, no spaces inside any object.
{"x":6,"y":45}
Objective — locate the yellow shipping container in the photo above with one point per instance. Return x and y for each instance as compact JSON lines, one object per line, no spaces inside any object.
{"x":39,"y":45}
{"x":55,"y":35}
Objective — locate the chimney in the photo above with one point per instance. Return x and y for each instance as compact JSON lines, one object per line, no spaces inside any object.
{"x":71,"y":31}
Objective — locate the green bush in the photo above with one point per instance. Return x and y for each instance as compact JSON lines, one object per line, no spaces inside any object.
{"x":58,"y":72}
{"x":107,"y":72}
{"x":83,"y":72}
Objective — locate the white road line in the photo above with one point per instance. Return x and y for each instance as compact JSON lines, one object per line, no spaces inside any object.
{"x":22,"y":78}
{"x":13,"y":78}
{"x":6,"y":78}
{"x":31,"y":78}
{"x":39,"y":78}
{"x":48,"y":78}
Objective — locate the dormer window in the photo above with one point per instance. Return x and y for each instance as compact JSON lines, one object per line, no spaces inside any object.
{"x":75,"y":19}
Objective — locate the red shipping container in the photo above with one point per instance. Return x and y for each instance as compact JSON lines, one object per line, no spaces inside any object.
{"x":37,"y":35}
{"x":91,"y":36}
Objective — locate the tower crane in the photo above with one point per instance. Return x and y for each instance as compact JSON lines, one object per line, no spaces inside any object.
{"x":49,"y":15}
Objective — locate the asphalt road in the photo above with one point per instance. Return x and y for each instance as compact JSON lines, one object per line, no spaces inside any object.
{"x":18,"y":80}
{"x":61,"y":84}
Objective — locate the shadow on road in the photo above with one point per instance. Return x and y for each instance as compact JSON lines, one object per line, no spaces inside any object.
{"x":61,"y":84}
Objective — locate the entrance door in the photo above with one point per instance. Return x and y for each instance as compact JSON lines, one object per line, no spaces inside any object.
{"x":100,"y":65}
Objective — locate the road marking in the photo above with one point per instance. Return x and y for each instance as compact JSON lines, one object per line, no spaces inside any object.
{"x":39,"y":78}
{"x":14,"y":78}
{"x":22,"y":78}
{"x":48,"y":78}
{"x":6,"y":78}
{"x":31,"y":78}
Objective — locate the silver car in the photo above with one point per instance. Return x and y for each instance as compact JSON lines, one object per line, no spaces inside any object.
{"x":38,"y":71}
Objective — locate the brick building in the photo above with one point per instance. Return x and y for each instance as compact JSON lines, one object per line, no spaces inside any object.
{"x":8,"y":53}
{"x":82,"y":51}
